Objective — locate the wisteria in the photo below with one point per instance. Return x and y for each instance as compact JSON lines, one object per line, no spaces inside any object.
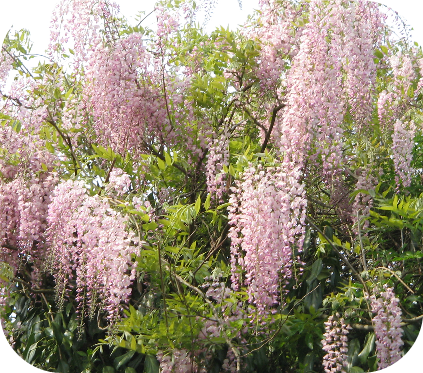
{"x":363,"y":201}
{"x":335,"y":344}
{"x":267,"y":217}
{"x":86,"y":235}
{"x":218,"y":157}
{"x":387,"y":324}
{"x":402,"y":147}
{"x":181,"y":200}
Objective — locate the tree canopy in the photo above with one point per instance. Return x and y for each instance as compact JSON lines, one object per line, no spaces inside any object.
{"x":176,"y":200}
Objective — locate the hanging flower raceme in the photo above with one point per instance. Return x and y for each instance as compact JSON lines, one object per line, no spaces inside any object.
{"x":276,"y":37}
{"x":267,"y":219}
{"x":218,"y":157}
{"x":363,"y":202}
{"x":5,"y":66}
{"x":79,"y":21}
{"x":114,"y":87}
{"x":89,"y":249}
{"x":393,"y":102}
{"x":315,"y":107}
{"x":119,"y":181}
{"x":26,"y":183}
{"x":362,"y":25}
{"x":402,"y":148}
{"x":335,"y":343}
{"x":387,"y":325}
{"x":333,"y":71}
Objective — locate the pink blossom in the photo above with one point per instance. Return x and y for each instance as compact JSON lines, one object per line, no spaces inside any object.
{"x":402,"y":149}
{"x":335,"y":344}
{"x":387,"y":324}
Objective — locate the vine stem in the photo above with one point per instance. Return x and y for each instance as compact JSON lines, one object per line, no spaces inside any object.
{"x":162,"y":285}
{"x":342,"y":256}
{"x":234,"y":349}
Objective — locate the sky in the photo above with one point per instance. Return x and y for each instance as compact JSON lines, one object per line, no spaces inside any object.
{"x":36,"y":20}
{"x":226,"y":13}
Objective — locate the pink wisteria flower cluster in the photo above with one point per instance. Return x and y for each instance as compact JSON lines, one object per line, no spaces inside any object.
{"x":321,"y":86}
{"x":119,"y":181}
{"x":267,"y":217}
{"x":61,"y":230}
{"x":218,"y":157}
{"x":387,"y":324}
{"x":402,"y":149}
{"x":335,"y":343}
{"x":88,"y":243}
{"x":363,"y":202}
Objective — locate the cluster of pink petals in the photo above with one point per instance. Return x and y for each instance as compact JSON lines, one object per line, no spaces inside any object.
{"x":387,"y":324}
{"x":218,"y":157}
{"x":119,"y":181}
{"x":179,"y":361}
{"x":79,"y":21}
{"x":26,"y":184}
{"x":88,"y":242}
{"x":322,"y":86}
{"x":402,"y":149}
{"x":5,"y":66}
{"x":267,"y":215}
{"x":133,"y":109}
{"x":276,"y":36}
{"x":335,"y":343}
{"x":362,"y":25}
{"x":314,"y":101}
{"x":363,"y":202}
{"x":392,"y":102}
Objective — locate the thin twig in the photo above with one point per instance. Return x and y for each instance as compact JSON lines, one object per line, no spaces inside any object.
{"x":234,"y":349}
{"x":280,"y":326}
{"x":398,"y":278}
{"x":342,"y":256}
{"x":272,"y":123}
{"x":363,"y":255}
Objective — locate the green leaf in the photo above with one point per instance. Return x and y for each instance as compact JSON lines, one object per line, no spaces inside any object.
{"x":150,"y":226}
{"x":161,"y":164}
{"x":57,"y":93}
{"x":121,"y":360}
{"x":395,"y":202}
{"x":168,"y":159}
{"x":207,"y":202}
{"x":198,"y":204}
{"x":134,"y":344}
{"x":108,"y":369}
{"x":172,"y":249}
{"x":68,"y":93}
{"x":309,"y":341}
{"x":368,"y":347}
{"x":220,"y":207}
{"x":315,"y":270}
{"x":63,"y":367}
{"x":378,"y":54}
{"x":356,"y":370}
{"x":130,"y":370}
{"x":353,"y":350}
{"x":49,"y":147}
{"x":151,"y":364}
